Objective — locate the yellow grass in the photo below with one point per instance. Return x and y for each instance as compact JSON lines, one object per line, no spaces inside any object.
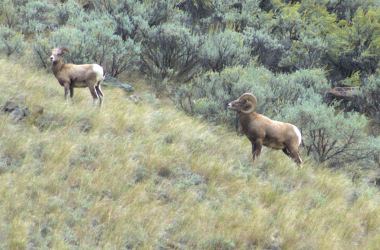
{"x":149,"y":176}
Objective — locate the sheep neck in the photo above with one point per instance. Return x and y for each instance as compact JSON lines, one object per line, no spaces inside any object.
{"x":246,"y":119}
{"x":57,"y":66}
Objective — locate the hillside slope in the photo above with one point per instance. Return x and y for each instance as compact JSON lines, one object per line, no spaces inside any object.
{"x":148,"y":176}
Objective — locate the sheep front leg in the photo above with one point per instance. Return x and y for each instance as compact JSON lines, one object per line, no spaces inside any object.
{"x":253,"y":150}
{"x":67,"y":88}
{"x":256,"y":148}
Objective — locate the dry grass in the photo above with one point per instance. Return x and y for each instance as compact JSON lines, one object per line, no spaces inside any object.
{"x":148,"y":176}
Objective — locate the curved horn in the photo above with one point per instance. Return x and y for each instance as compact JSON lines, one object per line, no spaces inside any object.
{"x":252,"y":99}
{"x":64,"y":49}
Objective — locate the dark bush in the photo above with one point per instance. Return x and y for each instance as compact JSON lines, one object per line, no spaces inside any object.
{"x":354,"y":46}
{"x":197,"y":9}
{"x":36,"y":17}
{"x":370,"y":93}
{"x":268,"y":49}
{"x":66,"y":10}
{"x":307,"y":52}
{"x":170,"y":51}
{"x":132,"y":18}
{"x":10,"y":12}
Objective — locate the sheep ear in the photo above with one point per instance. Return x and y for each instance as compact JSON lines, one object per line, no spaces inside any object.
{"x":247,"y":103}
{"x":250,"y":100}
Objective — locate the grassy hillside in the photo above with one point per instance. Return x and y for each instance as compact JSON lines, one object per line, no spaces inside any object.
{"x":148,"y":176}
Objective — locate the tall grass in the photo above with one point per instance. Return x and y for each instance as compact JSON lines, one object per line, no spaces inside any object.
{"x":148,"y":176}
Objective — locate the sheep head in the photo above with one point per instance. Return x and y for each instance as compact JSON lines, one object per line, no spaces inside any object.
{"x":57,"y":53}
{"x":246,"y":104}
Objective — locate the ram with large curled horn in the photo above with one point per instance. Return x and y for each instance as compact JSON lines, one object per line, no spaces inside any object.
{"x":261,"y":130}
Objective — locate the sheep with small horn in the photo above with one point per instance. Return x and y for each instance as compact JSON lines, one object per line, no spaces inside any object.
{"x":72,"y":76}
{"x":261,"y":130}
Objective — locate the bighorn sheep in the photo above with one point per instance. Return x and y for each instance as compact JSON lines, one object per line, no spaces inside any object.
{"x":72,"y":76}
{"x":261,"y":130}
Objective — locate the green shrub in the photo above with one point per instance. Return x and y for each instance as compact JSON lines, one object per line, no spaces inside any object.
{"x":223,"y":49}
{"x":230,"y":15}
{"x":66,"y":10}
{"x":345,"y":9}
{"x":133,"y":18}
{"x":197,"y":9}
{"x":169,"y":51}
{"x":354,"y":45}
{"x":10,"y":12}
{"x":212,"y":93}
{"x":157,"y":12}
{"x":41,"y":51}
{"x":268,"y":49}
{"x":370,"y":93}
{"x":290,"y":87}
{"x":11,"y":42}
{"x":37,"y":16}
{"x":120,"y":55}
{"x":307,"y":52}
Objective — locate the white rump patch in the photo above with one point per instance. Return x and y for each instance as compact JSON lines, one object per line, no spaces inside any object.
{"x":298,"y":134}
{"x":99,"y":72}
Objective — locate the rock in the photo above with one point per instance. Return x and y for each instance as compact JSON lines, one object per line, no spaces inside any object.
{"x":9,"y":107}
{"x":135,"y":99}
{"x":111,"y":81}
{"x":343,"y":92}
{"x":18,"y":113}
{"x":348,"y":97}
{"x":14,"y":110}
{"x":114,"y":82}
{"x":127,"y":87}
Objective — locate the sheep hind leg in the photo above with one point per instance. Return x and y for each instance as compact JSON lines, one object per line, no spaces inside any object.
{"x":93,"y":93}
{"x":296,"y":157}
{"x":285,"y":150}
{"x":71,"y":92}
{"x":100,"y":93}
